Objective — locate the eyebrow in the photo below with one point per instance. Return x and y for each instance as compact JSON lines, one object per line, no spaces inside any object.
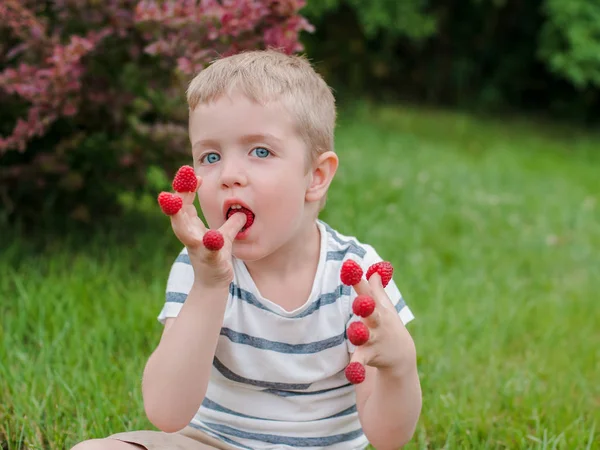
{"x":206,"y":143}
{"x":264,"y":137}
{"x":246,"y":139}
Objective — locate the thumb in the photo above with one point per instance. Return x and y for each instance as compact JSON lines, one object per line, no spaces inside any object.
{"x":233,"y":225}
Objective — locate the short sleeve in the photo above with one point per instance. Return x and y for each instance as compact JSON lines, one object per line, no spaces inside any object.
{"x":371,"y":257}
{"x":179,"y":284}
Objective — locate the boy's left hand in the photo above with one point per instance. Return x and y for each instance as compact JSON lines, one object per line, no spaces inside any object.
{"x":390,"y":347}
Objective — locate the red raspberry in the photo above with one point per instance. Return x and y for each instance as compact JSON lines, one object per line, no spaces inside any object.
{"x":358,"y":333}
{"x":169,"y":203}
{"x":185,"y":180}
{"x":363,"y":306}
{"x":385,"y":270}
{"x":213,"y":240}
{"x":355,"y":372}
{"x":351,"y":273}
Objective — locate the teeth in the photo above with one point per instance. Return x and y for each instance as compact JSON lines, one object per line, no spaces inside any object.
{"x":236,"y":206}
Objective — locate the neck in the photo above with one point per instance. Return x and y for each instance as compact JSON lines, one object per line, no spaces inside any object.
{"x":294,"y":254}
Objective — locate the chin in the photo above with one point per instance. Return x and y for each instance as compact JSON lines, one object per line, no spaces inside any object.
{"x":248,"y":253}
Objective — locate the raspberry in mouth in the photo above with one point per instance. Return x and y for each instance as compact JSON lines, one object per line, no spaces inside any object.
{"x":238,"y":208}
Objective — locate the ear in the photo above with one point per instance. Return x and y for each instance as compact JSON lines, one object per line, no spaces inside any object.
{"x":321,"y":175}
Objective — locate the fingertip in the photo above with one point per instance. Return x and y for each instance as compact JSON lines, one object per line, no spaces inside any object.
{"x":358,"y":356}
{"x":362,"y":287}
{"x":239,"y":216}
{"x":241,"y":223}
{"x":237,"y":220}
{"x":242,"y":219}
{"x":234,"y":225}
{"x":187,"y":197}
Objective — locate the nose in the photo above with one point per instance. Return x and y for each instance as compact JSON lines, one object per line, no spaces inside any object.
{"x":233,"y":174}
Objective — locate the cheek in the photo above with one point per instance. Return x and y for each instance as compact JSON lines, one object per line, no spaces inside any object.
{"x":286,"y":201}
{"x":209,"y":204}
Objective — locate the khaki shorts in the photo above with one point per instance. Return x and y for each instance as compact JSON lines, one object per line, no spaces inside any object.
{"x":187,"y":439}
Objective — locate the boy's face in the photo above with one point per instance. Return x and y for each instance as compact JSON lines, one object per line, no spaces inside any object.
{"x":250,"y":155}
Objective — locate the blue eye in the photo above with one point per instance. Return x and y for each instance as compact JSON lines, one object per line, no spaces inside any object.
{"x":261,"y":152}
{"x":210,"y":158}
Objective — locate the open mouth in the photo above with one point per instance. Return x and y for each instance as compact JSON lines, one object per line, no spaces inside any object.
{"x":239,"y":208}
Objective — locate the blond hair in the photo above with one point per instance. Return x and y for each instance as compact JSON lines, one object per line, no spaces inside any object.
{"x":269,"y":75}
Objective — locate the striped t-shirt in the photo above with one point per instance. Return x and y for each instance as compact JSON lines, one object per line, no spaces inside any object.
{"x":277,"y":378}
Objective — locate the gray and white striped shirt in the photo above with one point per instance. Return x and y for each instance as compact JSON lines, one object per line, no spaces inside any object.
{"x":277,"y":379}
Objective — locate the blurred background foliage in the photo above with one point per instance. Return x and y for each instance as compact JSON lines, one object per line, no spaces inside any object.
{"x":491,"y":55}
{"x":92,"y":92}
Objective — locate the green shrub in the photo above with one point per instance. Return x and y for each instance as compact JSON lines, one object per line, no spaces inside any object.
{"x":570,"y":41}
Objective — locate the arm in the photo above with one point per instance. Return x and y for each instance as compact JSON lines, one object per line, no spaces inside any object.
{"x":177,"y":373}
{"x":389,"y":405}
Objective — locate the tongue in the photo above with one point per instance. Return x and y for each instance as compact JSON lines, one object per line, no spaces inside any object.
{"x":249,"y":216}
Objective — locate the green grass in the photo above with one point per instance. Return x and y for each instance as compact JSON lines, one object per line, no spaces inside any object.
{"x":493,"y":227}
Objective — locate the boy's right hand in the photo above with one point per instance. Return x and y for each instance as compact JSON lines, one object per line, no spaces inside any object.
{"x":211,"y":268}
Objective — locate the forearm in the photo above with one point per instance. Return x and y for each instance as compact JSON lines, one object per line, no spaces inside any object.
{"x":177,"y":373}
{"x":391,"y":411}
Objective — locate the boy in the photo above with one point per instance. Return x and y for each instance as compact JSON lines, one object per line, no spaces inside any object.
{"x":254,"y":348}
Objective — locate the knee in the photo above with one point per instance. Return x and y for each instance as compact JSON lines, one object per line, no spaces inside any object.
{"x":93,"y":444}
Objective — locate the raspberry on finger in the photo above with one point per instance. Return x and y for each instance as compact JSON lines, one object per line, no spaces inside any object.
{"x":351,"y":273}
{"x":363,"y":306}
{"x":384,"y":269}
{"x":358,"y":333}
{"x":185,"y":180}
{"x":355,"y":372}
{"x":213,"y":240}
{"x":169,"y":203}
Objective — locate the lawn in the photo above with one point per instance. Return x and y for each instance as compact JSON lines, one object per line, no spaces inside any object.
{"x":493,"y":226}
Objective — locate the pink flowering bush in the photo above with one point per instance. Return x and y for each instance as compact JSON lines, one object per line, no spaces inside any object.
{"x":92,"y":92}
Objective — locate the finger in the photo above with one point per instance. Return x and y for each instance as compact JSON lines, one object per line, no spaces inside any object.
{"x":187,"y":232}
{"x":362,"y":288}
{"x":189,"y":208}
{"x":379,"y":294}
{"x":374,"y":283}
{"x":188,"y":217}
{"x":233,"y":225}
{"x":374,"y":319}
{"x":356,"y":368}
{"x":188,"y":227}
{"x":359,"y":356}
